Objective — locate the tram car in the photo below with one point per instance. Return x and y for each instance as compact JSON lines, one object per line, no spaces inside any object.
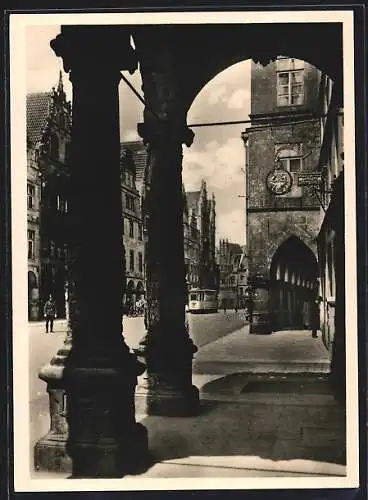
{"x":202,"y":300}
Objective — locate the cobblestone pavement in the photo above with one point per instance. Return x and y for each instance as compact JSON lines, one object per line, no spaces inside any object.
{"x":281,"y":352}
{"x":250,"y":425}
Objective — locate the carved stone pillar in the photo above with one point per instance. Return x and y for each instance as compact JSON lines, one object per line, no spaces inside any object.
{"x":99,"y":373}
{"x":167,"y":347}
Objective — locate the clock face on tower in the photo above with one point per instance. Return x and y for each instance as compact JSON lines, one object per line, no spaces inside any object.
{"x":279,"y":181}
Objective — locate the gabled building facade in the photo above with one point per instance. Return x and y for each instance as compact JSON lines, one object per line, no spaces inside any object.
{"x":191,"y":243}
{"x":133,"y":239}
{"x":200,"y":213}
{"x":199,"y":222}
{"x":33,"y":233}
{"x":48,"y":150}
{"x":233,"y":273}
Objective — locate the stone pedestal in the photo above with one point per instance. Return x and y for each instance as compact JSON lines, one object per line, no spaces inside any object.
{"x":50,"y":451}
{"x":261,"y":317}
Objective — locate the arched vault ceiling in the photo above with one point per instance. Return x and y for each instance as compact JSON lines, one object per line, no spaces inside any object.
{"x":194,"y":55}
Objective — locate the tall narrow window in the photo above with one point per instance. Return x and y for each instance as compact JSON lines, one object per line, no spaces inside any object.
{"x":31,"y":243}
{"x":131,"y":228}
{"x":140,"y":262}
{"x":290,"y":82}
{"x":131,"y":260}
{"x":129,"y":202}
{"x":30,"y":195}
{"x":54,"y":147}
{"x":290,"y":157}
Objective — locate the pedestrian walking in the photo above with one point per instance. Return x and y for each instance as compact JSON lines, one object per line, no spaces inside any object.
{"x":49,"y":313}
{"x":224,"y":305}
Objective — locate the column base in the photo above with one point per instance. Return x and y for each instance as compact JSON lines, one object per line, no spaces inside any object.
{"x":109,"y":458}
{"x":50,"y":454}
{"x":93,"y":430}
{"x":166,"y":401}
{"x":260,"y":324}
{"x":128,"y":457}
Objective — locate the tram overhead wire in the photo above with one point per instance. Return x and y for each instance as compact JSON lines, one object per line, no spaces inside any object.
{"x":217,"y":124}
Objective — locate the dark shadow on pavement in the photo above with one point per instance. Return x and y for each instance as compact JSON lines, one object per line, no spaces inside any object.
{"x":277,"y":429}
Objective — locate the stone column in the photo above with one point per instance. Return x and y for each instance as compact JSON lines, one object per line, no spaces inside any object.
{"x":167,"y":388}
{"x":99,"y":374}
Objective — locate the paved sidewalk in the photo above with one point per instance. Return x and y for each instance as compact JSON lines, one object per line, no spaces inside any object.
{"x":280,"y":352}
{"x":279,"y":420}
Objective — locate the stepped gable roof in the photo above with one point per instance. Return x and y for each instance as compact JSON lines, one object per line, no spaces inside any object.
{"x":139,"y":156}
{"x":192,"y":199}
{"x":37,"y":111}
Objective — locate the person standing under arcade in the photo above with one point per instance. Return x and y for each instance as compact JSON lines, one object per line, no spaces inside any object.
{"x":49,"y":312}
{"x":315,"y":320}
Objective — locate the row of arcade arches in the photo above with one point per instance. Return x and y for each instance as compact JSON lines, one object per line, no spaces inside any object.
{"x":293,"y":285}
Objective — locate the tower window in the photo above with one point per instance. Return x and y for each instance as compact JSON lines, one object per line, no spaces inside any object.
{"x":292,"y":164}
{"x":291,"y":158}
{"x":131,"y":260}
{"x":290,"y":88}
{"x":131,"y":229}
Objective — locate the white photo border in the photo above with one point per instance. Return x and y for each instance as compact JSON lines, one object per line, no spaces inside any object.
{"x":18,"y":59}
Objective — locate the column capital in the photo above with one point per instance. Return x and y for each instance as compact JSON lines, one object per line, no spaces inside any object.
{"x":95,"y":47}
{"x":161,"y":131}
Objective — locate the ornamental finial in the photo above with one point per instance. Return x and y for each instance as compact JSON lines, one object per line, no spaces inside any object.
{"x":60,"y":84}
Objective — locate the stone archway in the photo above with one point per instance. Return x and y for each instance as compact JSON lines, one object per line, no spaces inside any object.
{"x":293,"y":285}
{"x":176,"y":61}
{"x":181,"y":53}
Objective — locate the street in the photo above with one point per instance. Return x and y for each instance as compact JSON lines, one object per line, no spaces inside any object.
{"x":43,"y":346}
{"x":204,"y":328}
{"x":272,"y":413}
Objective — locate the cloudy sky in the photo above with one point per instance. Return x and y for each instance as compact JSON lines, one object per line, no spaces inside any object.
{"x":217,"y":154}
